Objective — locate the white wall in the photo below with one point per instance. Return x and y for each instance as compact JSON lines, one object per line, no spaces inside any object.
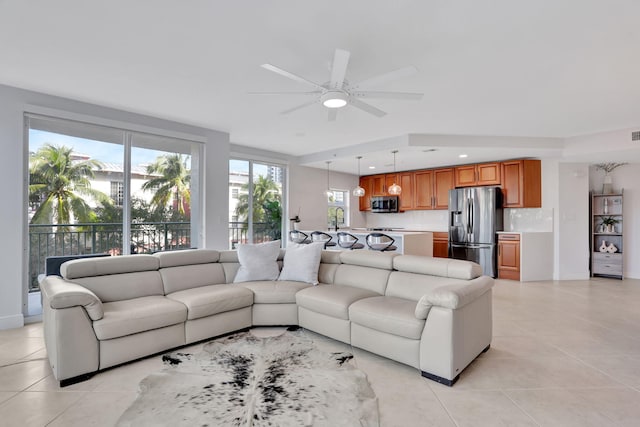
{"x":13,"y":165}
{"x":306,"y":196}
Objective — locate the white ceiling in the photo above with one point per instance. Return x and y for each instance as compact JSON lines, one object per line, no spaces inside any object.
{"x":544,"y":68}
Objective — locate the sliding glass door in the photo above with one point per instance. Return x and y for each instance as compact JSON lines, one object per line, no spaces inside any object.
{"x":95,"y":189}
{"x":256,"y":192}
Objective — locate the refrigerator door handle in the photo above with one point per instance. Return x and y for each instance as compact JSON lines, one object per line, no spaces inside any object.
{"x":471,"y":246}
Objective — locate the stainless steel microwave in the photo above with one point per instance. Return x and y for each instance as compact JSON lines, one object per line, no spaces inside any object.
{"x":384,"y":204}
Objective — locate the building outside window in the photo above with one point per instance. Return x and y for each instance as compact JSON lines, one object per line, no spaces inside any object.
{"x":117,"y":192}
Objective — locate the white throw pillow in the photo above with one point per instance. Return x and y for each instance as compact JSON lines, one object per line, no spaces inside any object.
{"x":302,"y":262}
{"x":258,"y":262}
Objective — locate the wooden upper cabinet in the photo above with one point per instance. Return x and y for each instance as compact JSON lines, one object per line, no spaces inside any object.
{"x":522,"y":184}
{"x":365,"y":201}
{"x":389,"y":180}
{"x":465,"y":176}
{"x":442,"y":183}
{"x":480,"y":174}
{"x":407,"y":198}
{"x":378,"y":185}
{"x":423,"y":189}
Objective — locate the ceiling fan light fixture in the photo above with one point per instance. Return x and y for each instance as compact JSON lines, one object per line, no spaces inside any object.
{"x":334,"y":99}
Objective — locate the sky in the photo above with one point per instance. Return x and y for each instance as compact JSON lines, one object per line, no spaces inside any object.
{"x":103,"y":151}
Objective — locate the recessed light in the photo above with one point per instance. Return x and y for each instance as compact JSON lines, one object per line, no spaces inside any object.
{"x":463,"y":156}
{"x":372,"y":167}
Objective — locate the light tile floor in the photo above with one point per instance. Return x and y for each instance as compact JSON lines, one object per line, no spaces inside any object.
{"x":563,"y":354}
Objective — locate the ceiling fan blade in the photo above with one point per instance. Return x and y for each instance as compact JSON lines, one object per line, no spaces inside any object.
{"x":339,"y":68}
{"x":367,"y":107}
{"x":333,"y":113}
{"x":291,"y":76}
{"x":387,"y":77}
{"x":315,"y":92}
{"x":388,"y":95}
{"x":306,"y":104}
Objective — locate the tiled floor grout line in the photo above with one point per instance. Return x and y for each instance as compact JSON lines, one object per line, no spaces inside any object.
{"x":521,"y":408}
{"x":449,"y":414}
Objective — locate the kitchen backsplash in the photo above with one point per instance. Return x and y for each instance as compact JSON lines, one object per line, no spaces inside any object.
{"x":411,"y":220}
{"x":530,"y":220}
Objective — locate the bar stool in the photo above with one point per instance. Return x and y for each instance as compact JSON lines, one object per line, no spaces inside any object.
{"x":348,"y":241}
{"x":380,"y":242}
{"x":298,"y":236}
{"x":321,"y":236}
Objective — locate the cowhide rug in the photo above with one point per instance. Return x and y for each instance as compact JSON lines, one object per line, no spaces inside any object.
{"x":242,"y":380}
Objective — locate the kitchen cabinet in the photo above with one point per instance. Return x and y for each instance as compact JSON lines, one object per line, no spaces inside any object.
{"x":431,"y":188}
{"x":442,"y":183}
{"x":364,"y":202}
{"x":509,"y":256}
{"x":407,"y":198}
{"x":479,"y":174}
{"x":423,"y":189}
{"x":378,"y":185}
{"x":522,"y":184}
{"x":440,"y":244}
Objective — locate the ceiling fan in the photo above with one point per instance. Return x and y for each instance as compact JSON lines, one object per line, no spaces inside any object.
{"x":338,"y":92}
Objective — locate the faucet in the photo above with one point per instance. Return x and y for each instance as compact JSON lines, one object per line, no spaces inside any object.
{"x":339,"y":208}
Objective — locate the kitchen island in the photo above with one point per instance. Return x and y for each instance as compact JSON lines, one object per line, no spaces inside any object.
{"x":407,"y":242}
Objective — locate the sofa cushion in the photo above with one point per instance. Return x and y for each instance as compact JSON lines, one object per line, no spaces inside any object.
{"x":371,"y":279}
{"x":331,"y":300}
{"x":187,"y":257}
{"x":213,"y":299}
{"x":258,"y":262}
{"x":274,"y":292}
{"x":108,"y":265}
{"x":413,"y":286}
{"x":443,"y":267}
{"x":388,"y":314}
{"x":135,"y":315}
{"x":301,"y":262}
{"x":176,"y":279}
{"x":123,"y":286}
{"x":374,"y":259}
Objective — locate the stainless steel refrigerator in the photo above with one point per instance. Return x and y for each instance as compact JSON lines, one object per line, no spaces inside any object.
{"x":475,"y":215}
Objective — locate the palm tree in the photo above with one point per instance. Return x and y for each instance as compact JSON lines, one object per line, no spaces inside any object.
{"x":56,"y":184}
{"x":264,"y":192}
{"x":171,"y":185}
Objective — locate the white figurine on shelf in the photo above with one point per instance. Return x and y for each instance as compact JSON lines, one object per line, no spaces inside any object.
{"x":603,"y":246}
{"x":612,"y":248}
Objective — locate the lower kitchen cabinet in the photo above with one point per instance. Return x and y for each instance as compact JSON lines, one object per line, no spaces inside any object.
{"x":509,"y":256}
{"x":440,"y":244}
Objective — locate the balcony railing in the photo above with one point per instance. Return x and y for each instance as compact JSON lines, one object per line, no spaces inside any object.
{"x":91,"y":238}
{"x":262,"y":232}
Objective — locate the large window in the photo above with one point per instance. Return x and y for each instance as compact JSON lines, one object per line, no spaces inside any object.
{"x":255,"y":202}
{"x":337,"y":208}
{"x":95,"y":189}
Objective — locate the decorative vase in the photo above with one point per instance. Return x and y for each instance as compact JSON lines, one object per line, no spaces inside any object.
{"x":611,"y":228}
{"x":607,"y":185}
{"x":611,"y":248}
{"x":603,"y":247}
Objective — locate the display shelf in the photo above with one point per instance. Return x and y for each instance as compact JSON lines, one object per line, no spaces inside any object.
{"x":607,"y":225}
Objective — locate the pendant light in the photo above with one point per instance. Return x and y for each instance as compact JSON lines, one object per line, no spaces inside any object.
{"x":395,"y":189}
{"x":328,"y":193}
{"x":358,"y":191}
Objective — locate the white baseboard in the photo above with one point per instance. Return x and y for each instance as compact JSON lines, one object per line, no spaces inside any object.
{"x":574,"y":276}
{"x":10,"y":322}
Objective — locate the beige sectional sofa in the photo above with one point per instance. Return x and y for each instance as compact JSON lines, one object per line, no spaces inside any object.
{"x":430,"y":313}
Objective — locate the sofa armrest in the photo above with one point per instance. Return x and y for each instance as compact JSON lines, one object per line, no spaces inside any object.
{"x":453,"y":296}
{"x":60,"y":293}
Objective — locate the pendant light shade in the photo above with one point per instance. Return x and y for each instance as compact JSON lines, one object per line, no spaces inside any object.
{"x":358,"y":191}
{"x":328,"y":192}
{"x":394,"y":189}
